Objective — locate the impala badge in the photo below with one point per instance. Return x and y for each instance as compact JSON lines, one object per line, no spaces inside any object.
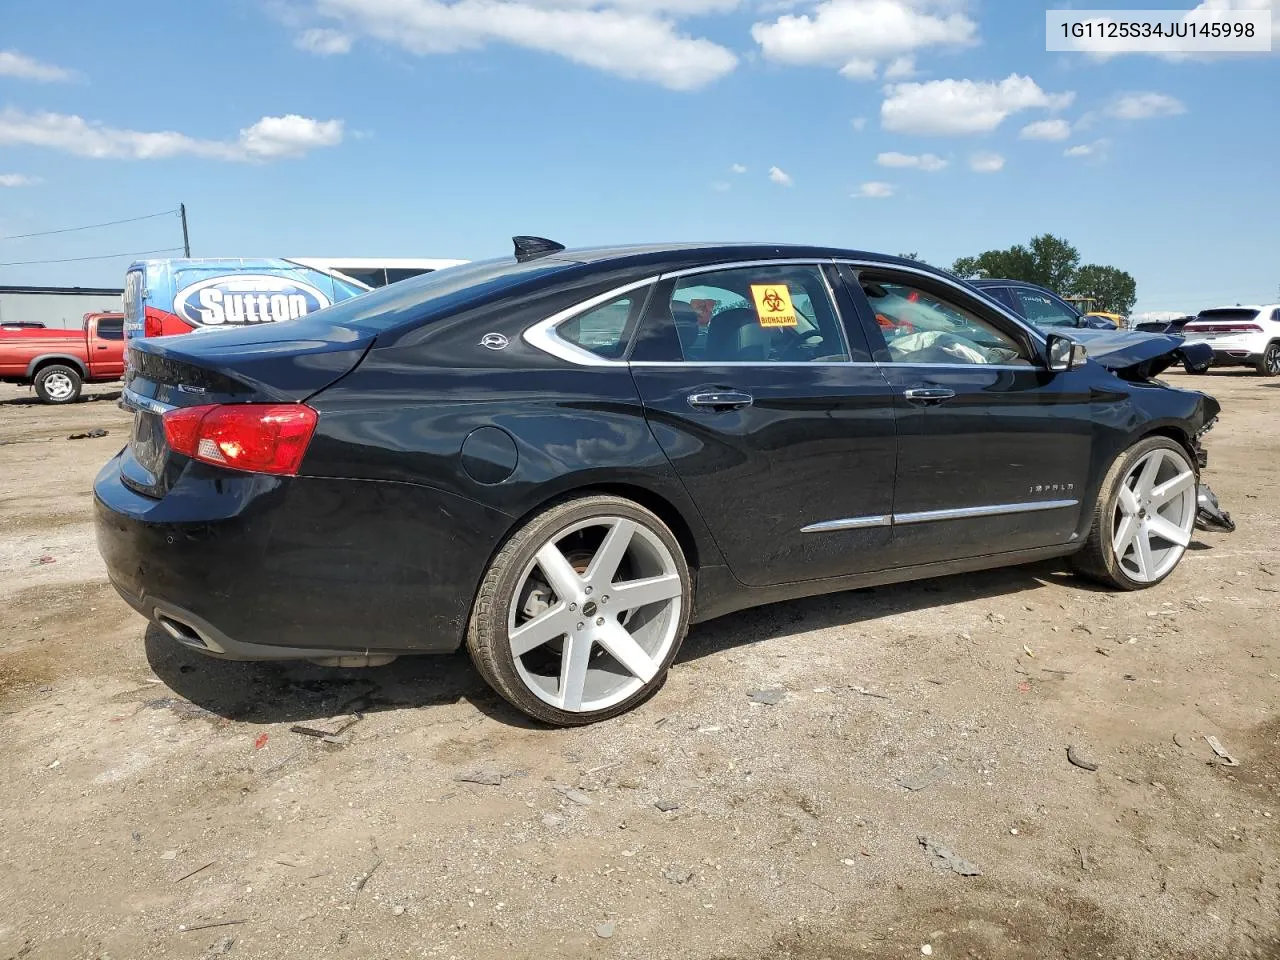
{"x":494,"y":341}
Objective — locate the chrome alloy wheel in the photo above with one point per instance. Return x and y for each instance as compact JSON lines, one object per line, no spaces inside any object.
{"x":595,"y":614}
{"x":58,"y":386}
{"x":1154,"y":516}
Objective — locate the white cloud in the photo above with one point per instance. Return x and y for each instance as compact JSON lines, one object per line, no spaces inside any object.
{"x":960,"y":107}
{"x":15,"y":64}
{"x":271,"y":138}
{"x":859,"y":123}
{"x":875,"y":190}
{"x":852,"y":34}
{"x":720,"y":187}
{"x":738,"y":168}
{"x":324,"y":42}
{"x":780,"y":177}
{"x":635,"y":39}
{"x":859,"y":68}
{"x":986,"y":163}
{"x":927,"y":162}
{"x":900,"y":68}
{"x":18,"y":180}
{"x":1046,"y":130}
{"x":1144,"y":106}
{"x":1096,"y":151}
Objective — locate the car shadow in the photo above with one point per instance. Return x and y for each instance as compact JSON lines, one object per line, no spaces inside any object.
{"x":34,"y":401}
{"x":296,"y":691}
{"x":291,"y":692}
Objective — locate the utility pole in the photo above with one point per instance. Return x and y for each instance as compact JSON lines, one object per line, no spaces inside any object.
{"x":186,"y":240}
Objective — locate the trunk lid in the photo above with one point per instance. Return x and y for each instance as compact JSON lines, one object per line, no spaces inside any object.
{"x":246,"y":365}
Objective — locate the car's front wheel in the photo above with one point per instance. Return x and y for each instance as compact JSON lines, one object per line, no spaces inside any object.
{"x":1269,"y":365}
{"x":582,"y":611}
{"x":1144,"y":516}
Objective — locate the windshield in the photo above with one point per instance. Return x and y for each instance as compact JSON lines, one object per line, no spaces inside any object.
{"x":427,"y":296}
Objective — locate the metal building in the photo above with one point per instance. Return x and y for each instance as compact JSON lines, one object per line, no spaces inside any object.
{"x":56,"y":306}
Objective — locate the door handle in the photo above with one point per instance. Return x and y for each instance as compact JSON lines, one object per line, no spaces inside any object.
{"x":104,"y":347}
{"x":928,"y":394}
{"x":722,"y":400}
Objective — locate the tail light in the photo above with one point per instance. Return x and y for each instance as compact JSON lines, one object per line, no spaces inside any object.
{"x":152,"y":326}
{"x":1222,"y":328}
{"x":255,"y":437}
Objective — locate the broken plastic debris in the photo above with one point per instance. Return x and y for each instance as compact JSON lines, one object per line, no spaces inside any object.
{"x":1221,"y":751}
{"x":1209,"y":513}
{"x":947,"y":859}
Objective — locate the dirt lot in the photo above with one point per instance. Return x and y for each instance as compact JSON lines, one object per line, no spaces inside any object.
{"x":158,"y":804}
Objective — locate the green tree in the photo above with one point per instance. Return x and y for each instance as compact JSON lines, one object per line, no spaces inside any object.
{"x":913,"y":256}
{"x":1112,"y":290}
{"x":1047,"y":260}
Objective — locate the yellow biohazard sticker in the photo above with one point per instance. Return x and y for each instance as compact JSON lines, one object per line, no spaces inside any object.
{"x":773,"y":305}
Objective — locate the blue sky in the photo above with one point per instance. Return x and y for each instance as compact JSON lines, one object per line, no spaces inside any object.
{"x":439,"y":128}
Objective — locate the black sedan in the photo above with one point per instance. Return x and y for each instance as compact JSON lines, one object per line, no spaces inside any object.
{"x":563,"y":458}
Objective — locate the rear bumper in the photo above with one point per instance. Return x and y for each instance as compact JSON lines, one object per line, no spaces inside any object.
{"x":1235,"y":358}
{"x":250,"y":567}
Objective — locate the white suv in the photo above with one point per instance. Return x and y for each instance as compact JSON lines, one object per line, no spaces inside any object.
{"x":1240,"y":337}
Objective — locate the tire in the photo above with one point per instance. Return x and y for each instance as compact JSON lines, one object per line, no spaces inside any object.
{"x":1130,"y":520}
{"x":1269,"y":365}
{"x":1194,"y":371}
{"x":572,"y":645}
{"x":58,"y":383}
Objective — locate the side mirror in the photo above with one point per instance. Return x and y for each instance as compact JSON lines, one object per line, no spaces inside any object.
{"x":1064,"y":354}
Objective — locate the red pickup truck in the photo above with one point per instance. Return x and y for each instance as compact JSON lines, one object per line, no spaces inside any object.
{"x":59,"y":362}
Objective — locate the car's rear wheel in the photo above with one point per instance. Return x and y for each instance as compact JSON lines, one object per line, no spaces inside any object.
{"x":58,"y":383}
{"x":1269,"y":365}
{"x":582,"y":611}
{"x":1143,"y":520}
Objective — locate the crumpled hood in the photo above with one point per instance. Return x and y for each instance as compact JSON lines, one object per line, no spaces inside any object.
{"x":1139,"y":354}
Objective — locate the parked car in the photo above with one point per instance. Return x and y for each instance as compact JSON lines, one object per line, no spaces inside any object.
{"x":549,"y":458}
{"x":1164,"y":326}
{"x":59,"y":362}
{"x":1039,"y":306}
{"x":1240,"y":337}
{"x":21,"y":325}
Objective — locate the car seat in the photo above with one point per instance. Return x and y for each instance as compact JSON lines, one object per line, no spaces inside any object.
{"x":736,"y":336}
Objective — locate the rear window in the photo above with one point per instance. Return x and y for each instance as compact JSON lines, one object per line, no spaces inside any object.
{"x":429,"y":295}
{"x":111,"y":328}
{"x":133,"y":294}
{"x":1234,"y":314}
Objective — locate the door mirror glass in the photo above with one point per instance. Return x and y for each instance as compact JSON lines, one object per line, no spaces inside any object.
{"x":1065,"y":354}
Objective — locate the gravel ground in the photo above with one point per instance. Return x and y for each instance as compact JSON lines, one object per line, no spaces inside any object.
{"x":158,"y":804}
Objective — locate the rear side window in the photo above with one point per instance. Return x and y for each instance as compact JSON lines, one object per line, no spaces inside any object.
{"x":605,"y":330}
{"x":759,"y":314}
{"x":111,"y":329}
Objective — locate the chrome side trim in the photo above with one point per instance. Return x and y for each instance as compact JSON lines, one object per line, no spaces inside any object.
{"x":1035,"y":334}
{"x":133,"y":401}
{"x":852,"y":523}
{"x":995,"y":510}
{"x":741,"y":264}
{"x":752,"y":363}
{"x":542,"y":335}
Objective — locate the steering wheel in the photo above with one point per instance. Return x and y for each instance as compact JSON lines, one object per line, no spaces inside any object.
{"x":796,"y":346}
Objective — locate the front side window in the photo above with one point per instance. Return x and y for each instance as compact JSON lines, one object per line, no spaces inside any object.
{"x":764,"y":314}
{"x":1041,"y":310}
{"x":604,"y":330}
{"x":920,"y":327}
